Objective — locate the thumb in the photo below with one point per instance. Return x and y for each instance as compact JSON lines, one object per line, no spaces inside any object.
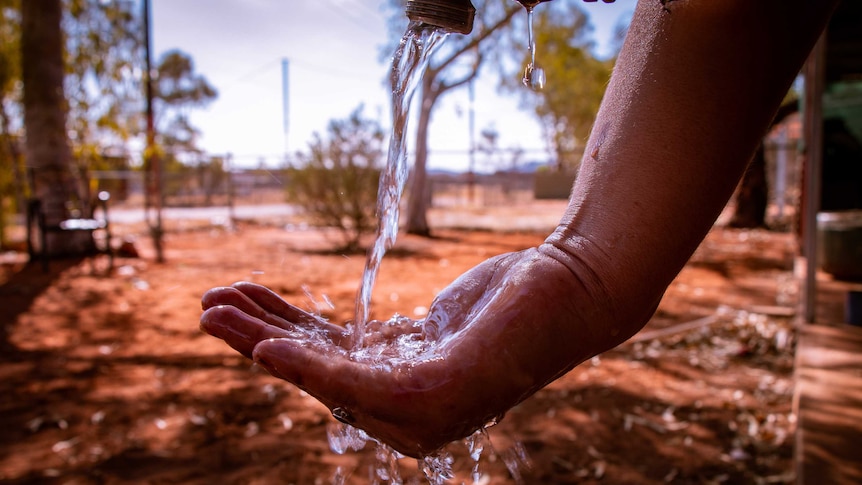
{"x":324,"y":371}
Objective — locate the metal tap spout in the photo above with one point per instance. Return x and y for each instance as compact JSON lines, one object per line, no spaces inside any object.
{"x":451,"y":15}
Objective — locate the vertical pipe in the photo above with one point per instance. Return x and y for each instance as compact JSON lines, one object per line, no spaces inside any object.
{"x":813,"y":126}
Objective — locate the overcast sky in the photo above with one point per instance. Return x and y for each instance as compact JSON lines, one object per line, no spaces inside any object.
{"x":333,"y":49}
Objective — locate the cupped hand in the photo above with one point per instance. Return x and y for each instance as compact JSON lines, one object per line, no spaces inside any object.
{"x":492,"y":338}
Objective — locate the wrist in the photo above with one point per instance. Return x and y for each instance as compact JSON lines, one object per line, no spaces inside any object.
{"x":617,"y":302}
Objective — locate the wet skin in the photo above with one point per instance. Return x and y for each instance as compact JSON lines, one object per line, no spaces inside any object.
{"x":495,"y":338}
{"x":694,"y":88}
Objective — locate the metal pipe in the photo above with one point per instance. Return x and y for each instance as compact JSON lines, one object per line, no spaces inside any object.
{"x":452,"y":15}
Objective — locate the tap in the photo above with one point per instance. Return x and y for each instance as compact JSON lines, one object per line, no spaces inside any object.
{"x":452,"y":15}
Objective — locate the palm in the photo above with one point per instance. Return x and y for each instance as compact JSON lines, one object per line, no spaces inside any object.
{"x":478,"y":352}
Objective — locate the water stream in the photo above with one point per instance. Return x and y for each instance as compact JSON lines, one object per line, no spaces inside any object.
{"x":408,"y":65}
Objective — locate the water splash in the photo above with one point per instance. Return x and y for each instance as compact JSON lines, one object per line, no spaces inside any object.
{"x":342,"y":437}
{"x":387,"y":464}
{"x":476,"y":445}
{"x":517,"y":459}
{"x":408,"y":65}
{"x":437,"y":467}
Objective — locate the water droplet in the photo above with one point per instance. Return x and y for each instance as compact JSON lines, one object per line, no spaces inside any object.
{"x":387,"y":464}
{"x":493,"y":422}
{"x":534,"y":76}
{"x":516,"y":459}
{"x":437,"y":468}
{"x":342,"y":437}
{"x":476,"y":444}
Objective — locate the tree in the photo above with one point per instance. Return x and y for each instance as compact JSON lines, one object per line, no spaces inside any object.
{"x":455,"y":64}
{"x":12,"y":182}
{"x":177,"y":89}
{"x":576,"y":81}
{"x":336,"y":181}
{"x":47,"y":149}
{"x":99,"y":104}
{"x":104,"y":58}
{"x":752,"y":195}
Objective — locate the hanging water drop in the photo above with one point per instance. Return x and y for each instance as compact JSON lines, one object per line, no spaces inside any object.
{"x":534,"y":76}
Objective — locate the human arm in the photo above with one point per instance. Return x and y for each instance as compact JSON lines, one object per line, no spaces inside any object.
{"x":694,"y":89}
{"x":695,"y":86}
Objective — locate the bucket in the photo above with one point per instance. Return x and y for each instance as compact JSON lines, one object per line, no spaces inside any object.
{"x":839,"y":244}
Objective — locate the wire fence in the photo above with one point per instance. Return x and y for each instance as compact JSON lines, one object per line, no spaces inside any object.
{"x":446,"y":190}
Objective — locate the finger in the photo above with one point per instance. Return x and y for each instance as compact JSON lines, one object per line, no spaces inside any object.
{"x":318,"y":369}
{"x":392,"y":405}
{"x":329,"y":374}
{"x":261,"y":303}
{"x":239,"y":329}
{"x":227,"y":295}
{"x":270,"y":302}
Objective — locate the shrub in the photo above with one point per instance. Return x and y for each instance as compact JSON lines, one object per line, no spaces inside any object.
{"x":336,"y":181}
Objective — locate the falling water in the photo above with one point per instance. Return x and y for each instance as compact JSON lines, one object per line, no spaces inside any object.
{"x":408,"y":65}
{"x":534,"y":76}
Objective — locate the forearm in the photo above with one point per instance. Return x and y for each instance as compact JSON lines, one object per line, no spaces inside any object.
{"x":693,"y":91}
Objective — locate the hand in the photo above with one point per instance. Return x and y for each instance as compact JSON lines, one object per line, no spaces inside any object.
{"x":492,"y":338}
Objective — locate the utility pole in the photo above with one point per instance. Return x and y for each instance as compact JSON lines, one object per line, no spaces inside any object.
{"x":285,"y":86}
{"x":152,"y":165}
{"x":471,"y":171}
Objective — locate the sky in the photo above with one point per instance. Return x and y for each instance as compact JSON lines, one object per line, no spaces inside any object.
{"x":333,"y":50}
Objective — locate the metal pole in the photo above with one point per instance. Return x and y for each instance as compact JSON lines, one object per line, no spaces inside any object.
{"x":153,"y":196}
{"x":285,"y":86}
{"x":230,"y":190}
{"x":813,"y":120}
{"x":471,"y":172}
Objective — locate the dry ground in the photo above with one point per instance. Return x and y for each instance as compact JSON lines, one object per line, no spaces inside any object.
{"x":107,"y":379}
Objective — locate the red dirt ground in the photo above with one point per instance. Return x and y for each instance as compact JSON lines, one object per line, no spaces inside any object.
{"x":108,"y":380}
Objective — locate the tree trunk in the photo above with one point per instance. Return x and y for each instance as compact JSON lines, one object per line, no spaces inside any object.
{"x":752,"y":195}
{"x":752,"y":198}
{"x":46,"y":151}
{"x":419,"y":197}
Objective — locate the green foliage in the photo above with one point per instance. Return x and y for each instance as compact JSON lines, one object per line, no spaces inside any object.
{"x":9,"y":49}
{"x":457,"y":62}
{"x":176,"y":89}
{"x":104,"y":52}
{"x":336,"y":181}
{"x":11,"y":165}
{"x":460,"y":58}
{"x":576,"y":80}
